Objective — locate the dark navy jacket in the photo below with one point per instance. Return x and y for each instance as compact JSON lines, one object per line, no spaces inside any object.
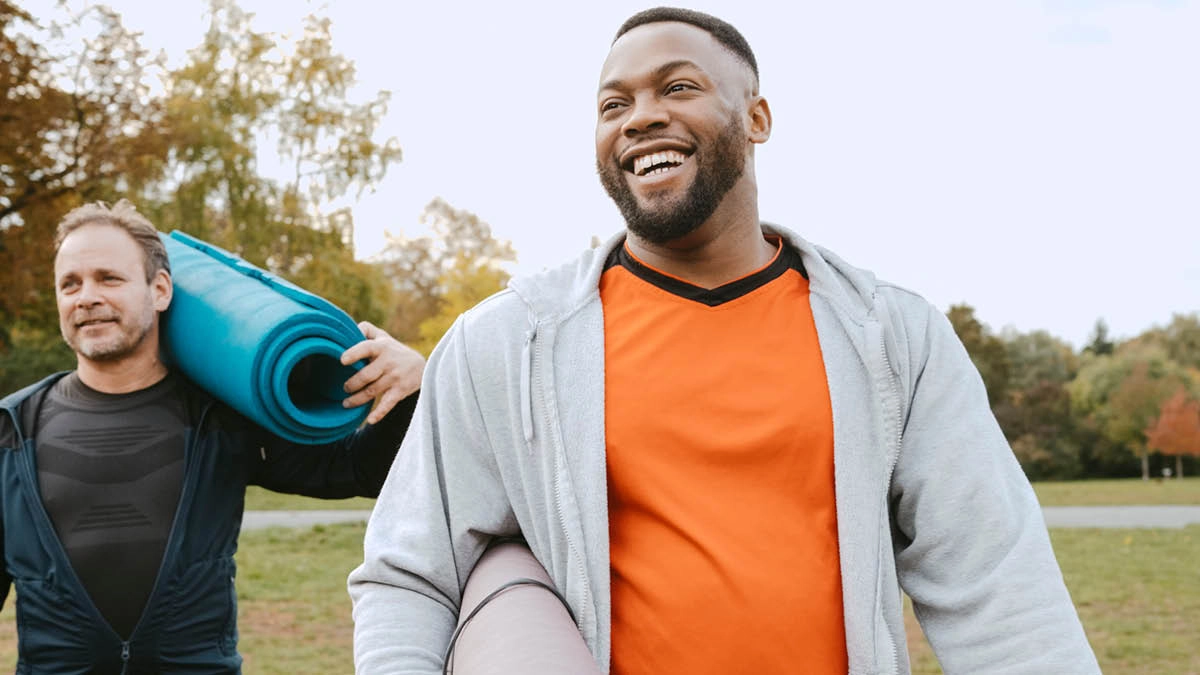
{"x":190,"y":620}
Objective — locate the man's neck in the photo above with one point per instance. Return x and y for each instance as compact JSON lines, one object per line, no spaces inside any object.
{"x":123,"y":376}
{"x":726,"y":247}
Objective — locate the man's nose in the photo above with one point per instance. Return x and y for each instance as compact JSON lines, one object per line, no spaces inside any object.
{"x":89,"y":294}
{"x":647,"y":113}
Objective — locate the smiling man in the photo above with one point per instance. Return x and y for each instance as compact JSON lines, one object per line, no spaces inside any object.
{"x":729,"y":449}
{"x":123,"y":483}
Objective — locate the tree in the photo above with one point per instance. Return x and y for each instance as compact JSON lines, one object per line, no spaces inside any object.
{"x":986,"y":350}
{"x":463,"y":286}
{"x":1120,"y":394}
{"x":1180,"y":338}
{"x":1176,"y":431}
{"x":1035,"y":413}
{"x":81,"y":122}
{"x":1099,"y":342}
{"x":74,"y":127}
{"x":437,"y":278}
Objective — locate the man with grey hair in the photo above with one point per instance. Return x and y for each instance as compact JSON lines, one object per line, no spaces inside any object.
{"x":123,"y":483}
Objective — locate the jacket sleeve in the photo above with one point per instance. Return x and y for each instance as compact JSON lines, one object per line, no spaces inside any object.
{"x":442,"y":504}
{"x":5,"y":579}
{"x":354,"y":466}
{"x":972,"y":549}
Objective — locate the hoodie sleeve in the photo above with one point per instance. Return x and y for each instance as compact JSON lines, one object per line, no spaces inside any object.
{"x":972,"y":549}
{"x":442,"y":503}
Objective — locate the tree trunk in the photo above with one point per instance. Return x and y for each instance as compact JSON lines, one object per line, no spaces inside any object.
{"x":1179,"y":466}
{"x":1146,"y":466}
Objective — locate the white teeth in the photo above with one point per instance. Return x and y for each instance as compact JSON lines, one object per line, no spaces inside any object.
{"x":641,"y":164}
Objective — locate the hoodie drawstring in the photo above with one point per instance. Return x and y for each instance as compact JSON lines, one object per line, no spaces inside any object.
{"x":526,"y":394}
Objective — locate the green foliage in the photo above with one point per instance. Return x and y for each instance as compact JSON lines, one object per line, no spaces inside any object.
{"x":1099,"y":343}
{"x":77,"y":124}
{"x":1120,"y":394}
{"x":463,"y":286}
{"x":987,"y":351}
{"x":83,"y":122}
{"x":1035,"y":410}
{"x":1180,"y":339}
{"x":437,"y":278}
{"x":30,"y":355}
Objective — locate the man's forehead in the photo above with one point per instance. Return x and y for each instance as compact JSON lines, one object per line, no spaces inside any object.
{"x":644,"y":48}
{"x":107,"y":245}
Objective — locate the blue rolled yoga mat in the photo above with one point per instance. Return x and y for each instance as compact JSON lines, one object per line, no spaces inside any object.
{"x":260,"y":344}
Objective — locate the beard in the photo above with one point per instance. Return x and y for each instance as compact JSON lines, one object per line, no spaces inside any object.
{"x":129,"y":337}
{"x":666,"y":219}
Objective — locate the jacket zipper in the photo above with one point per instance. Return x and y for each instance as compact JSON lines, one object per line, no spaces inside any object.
{"x":34,"y":498}
{"x":893,"y":460}
{"x":558,"y":492}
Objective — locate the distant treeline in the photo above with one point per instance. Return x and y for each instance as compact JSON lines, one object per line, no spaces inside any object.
{"x":1111,"y":409}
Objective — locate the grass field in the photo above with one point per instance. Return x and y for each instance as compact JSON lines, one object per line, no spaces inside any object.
{"x":1117,"y":492}
{"x":258,"y":499}
{"x":1136,"y":590}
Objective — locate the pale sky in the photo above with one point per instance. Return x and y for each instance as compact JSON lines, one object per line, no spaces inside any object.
{"x":1037,"y":160}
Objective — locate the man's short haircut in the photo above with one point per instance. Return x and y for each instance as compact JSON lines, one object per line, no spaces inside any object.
{"x":125,"y":216}
{"x":723,"y":32}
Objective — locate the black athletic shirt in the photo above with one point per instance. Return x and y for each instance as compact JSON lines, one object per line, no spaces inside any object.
{"x":110,"y":468}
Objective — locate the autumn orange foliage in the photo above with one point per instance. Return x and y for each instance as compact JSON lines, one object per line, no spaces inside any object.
{"x":1177,"y":429}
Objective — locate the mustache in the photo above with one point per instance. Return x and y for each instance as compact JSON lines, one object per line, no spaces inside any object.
{"x":82,"y":317}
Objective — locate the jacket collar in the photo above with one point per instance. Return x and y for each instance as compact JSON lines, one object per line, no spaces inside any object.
{"x":553,"y":295}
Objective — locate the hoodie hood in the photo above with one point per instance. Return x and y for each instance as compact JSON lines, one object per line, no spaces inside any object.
{"x":557,"y":293}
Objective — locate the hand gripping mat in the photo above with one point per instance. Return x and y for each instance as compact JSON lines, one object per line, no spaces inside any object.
{"x":260,"y":344}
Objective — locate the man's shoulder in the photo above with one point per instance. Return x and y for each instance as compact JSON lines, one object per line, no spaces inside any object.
{"x":13,"y":410}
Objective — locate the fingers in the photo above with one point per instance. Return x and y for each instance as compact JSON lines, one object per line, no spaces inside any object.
{"x":393,"y":371}
{"x":362,"y":396}
{"x":388,"y":401}
{"x":367,"y":349}
{"x":374,"y":342}
{"x":369,"y":373}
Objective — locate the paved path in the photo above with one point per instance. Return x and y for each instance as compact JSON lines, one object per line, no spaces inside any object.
{"x":1121,"y":516}
{"x":1056,"y":516}
{"x":256,"y":520}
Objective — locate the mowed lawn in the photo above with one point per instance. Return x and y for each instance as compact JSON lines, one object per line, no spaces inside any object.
{"x":1137,"y":591}
{"x":1115,"y":492}
{"x":1120,"y":492}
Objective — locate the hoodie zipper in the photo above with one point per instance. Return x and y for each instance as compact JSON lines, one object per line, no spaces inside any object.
{"x":558,"y":489}
{"x":33,"y":498}
{"x":894,"y":459}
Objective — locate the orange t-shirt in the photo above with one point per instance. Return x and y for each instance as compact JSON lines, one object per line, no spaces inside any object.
{"x":723,"y":531}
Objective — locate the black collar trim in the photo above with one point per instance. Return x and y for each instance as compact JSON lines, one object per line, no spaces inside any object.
{"x":787,"y":259}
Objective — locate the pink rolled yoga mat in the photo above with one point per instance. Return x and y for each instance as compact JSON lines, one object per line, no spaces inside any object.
{"x":524,"y":629}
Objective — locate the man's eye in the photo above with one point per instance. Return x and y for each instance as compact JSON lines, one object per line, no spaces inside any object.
{"x":677,"y":87}
{"x":610,"y":105}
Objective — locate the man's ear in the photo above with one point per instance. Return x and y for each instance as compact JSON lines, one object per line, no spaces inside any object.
{"x":163,"y":289}
{"x":760,"y":119}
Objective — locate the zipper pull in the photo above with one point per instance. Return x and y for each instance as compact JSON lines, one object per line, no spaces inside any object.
{"x":124,"y":657}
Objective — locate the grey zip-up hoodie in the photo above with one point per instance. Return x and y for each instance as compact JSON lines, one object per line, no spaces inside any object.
{"x":508,"y":439}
